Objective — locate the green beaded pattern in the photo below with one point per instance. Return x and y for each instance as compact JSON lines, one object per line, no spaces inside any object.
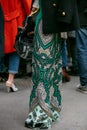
{"x":45,"y":98}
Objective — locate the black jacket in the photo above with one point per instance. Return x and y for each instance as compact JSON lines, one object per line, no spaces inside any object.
{"x":82,"y":9}
{"x":1,"y":33}
{"x":59,"y":16}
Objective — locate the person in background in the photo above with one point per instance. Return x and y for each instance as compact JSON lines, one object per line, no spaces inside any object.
{"x":65,"y":75}
{"x":2,"y":66}
{"x":15,"y":13}
{"x":72,"y":49}
{"x":81,"y":41}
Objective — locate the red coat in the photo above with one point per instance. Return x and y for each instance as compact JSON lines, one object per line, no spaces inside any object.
{"x":15,"y":11}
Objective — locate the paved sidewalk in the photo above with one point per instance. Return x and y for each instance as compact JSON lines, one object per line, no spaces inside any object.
{"x":14,"y":107}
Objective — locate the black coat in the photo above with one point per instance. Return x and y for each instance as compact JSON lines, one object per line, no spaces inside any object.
{"x":82,"y":9}
{"x":59,"y":15}
{"x":1,"y":33}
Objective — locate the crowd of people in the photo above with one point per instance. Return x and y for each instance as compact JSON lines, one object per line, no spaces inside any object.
{"x":60,"y":35}
{"x":14,"y":15}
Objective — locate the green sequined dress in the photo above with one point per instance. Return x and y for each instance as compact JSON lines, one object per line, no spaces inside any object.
{"x":45,"y":98}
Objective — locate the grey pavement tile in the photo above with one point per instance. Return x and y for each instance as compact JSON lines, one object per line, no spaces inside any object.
{"x":14,"y":107}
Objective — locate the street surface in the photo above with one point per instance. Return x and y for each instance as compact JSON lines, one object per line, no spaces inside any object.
{"x":14,"y":106}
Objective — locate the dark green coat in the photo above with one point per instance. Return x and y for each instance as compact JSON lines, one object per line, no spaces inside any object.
{"x":59,"y":15}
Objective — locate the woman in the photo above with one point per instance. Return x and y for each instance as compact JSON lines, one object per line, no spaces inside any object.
{"x":15,"y":12}
{"x":45,"y":99}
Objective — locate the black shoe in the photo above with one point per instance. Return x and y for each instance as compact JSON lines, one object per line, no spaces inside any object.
{"x":3,"y":77}
{"x":73,"y":71}
{"x":29,"y":74}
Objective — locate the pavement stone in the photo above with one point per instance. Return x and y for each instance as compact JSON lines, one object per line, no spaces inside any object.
{"x":14,"y":107}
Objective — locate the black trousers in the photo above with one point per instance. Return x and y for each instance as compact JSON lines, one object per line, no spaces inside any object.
{"x":1,"y":32}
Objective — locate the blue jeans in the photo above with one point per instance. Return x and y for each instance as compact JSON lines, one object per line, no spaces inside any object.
{"x":64,"y":53}
{"x":14,"y":61}
{"x":81,"y":41}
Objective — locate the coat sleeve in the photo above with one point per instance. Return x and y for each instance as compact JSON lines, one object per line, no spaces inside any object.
{"x":66,"y":10}
{"x":27,"y":5}
{"x":59,"y":16}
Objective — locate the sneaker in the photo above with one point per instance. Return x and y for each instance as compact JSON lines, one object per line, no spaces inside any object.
{"x":82,"y":89}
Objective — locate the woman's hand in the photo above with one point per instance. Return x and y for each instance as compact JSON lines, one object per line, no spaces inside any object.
{"x":33,"y":11}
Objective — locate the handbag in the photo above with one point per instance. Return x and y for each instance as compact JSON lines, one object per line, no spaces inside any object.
{"x":24,"y":44}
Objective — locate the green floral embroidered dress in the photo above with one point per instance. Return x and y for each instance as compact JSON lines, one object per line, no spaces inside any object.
{"x":45,"y":98}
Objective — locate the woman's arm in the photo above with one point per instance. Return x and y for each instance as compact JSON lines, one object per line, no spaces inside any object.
{"x":36,"y":4}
